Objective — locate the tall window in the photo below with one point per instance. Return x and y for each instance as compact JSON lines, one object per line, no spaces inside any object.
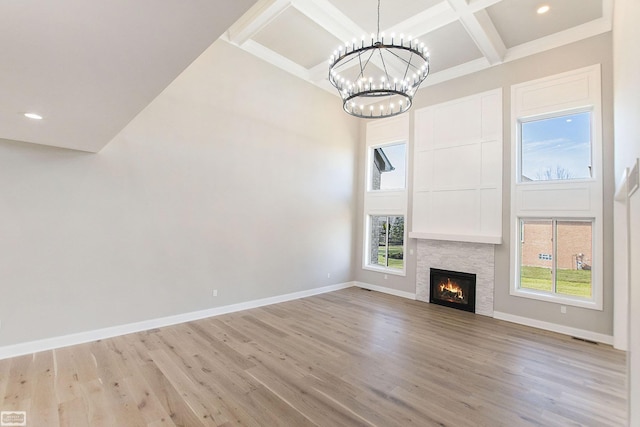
{"x":386,"y":241}
{"x":557,"y":189}
{"x":385,"y":196}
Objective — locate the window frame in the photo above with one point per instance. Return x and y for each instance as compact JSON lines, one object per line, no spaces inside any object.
{"x":554,"y":115}
{"x":366,"y":264}
{"x":554,"y":296}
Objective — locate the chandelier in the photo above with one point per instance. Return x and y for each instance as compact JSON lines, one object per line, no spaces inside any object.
{"x":378,"y":76}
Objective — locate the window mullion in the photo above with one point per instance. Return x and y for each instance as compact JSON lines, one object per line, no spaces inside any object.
{"x":386,"y":243}
{"x":554,"y":254}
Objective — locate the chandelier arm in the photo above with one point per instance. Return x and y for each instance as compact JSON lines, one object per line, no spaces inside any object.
{"x":384,"y":64}
{"x":406,"y":71}
{"x":408,"y":62}
{"x":366,"y":63}
{"x":343,"y":62}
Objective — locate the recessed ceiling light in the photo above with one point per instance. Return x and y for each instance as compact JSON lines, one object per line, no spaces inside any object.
{"x":33,"y":116}
{"x":543,"y":9}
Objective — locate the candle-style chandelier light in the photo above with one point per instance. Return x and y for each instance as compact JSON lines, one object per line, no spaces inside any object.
{"x":378,"y":76}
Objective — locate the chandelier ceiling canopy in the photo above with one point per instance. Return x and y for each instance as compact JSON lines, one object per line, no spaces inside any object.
{"x":378,"y":75}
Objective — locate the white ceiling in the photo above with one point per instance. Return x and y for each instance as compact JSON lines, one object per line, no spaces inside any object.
{"x":89,"y":66}
{"x":462,"y":36}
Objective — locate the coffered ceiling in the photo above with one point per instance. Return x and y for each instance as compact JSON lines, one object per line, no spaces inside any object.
{"x":463,"y":36}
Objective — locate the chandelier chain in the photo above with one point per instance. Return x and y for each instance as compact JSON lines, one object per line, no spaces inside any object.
{"x":378,"y":20}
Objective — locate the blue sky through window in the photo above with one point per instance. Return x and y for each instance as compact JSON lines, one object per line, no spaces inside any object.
{"x":395,"y":179}
{"x":557,"y":148}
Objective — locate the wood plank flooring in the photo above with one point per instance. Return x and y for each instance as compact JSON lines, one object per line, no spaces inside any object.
{"x":347,"y":358}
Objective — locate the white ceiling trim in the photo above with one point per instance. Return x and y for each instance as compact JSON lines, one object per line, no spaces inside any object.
{"x":260,"y":15}
{"x":431,"y":19}
{"x":478,"y":5}
{"x":482,"y":31}
{"x":319,"y":73}
{"x":486,"y":36}
{"x":330,"y":18}
{"x":607,"y":12}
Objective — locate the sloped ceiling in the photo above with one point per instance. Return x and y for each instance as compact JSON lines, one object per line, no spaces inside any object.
{"x":89,"y":66}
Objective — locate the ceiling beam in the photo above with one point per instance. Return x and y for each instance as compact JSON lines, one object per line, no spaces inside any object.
{"x":426,"y":21}
{"x":481,"y":30}
{"x":477,"y":5}
{"x":329,"y":17}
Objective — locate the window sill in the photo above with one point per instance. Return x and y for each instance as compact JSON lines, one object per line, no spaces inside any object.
{"x":591,"y":304}
{"x":385,"y":270}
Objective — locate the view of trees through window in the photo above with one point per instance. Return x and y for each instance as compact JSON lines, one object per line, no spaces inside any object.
{"x":387,"y":241}
{"x":556,"y":256}
{"x":556,"y":148}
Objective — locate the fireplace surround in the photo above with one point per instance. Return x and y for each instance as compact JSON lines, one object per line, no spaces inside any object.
{"x":475,"y":258}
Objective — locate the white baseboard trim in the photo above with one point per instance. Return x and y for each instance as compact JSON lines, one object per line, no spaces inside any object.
{"x":114,"y":331}
{"x":384,"y":290}
{"x":554,"y":327}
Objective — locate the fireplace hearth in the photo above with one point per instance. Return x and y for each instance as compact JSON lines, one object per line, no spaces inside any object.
{"x":453,"y":289}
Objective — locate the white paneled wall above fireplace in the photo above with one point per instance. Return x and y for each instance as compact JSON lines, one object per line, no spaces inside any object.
{"x":457,"y":188}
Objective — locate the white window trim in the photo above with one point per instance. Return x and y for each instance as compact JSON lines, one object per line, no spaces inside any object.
{"x":520,"y":112}
{"x":551,"y":115}
{"x":366,"y":262}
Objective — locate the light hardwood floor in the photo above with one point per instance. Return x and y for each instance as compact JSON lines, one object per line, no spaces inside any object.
{"x":347,"y":358}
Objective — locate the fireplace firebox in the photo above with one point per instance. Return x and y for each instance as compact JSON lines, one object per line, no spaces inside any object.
{"x":453,"y":289}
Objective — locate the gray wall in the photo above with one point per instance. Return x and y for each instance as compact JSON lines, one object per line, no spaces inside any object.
{"x":229,"y":180}
{"x":595,"y":50}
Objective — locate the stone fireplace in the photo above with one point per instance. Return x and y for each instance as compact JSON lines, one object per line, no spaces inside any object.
{"x":471,"y":258}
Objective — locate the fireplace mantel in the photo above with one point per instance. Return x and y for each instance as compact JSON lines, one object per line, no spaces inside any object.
{"x":465,"y":238}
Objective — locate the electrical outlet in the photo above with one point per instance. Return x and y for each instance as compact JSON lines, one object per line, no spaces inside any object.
{"x":386,"y":277}
{"x":563,"y":309}
{"x":215,"y":292}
